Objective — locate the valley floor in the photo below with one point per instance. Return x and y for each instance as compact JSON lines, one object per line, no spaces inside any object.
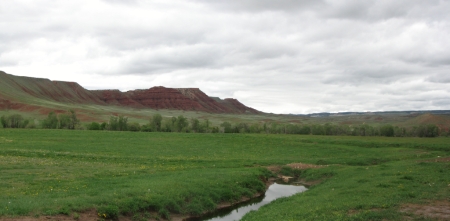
{"x":145,"y":176}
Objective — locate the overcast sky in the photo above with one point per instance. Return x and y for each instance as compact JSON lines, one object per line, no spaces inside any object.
{"x":284,"y":56}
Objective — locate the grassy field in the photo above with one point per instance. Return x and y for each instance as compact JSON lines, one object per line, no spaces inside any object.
{"x":48,"y":172}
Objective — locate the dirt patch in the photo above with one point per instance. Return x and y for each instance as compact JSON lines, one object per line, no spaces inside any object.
{"x":355,"y":211}
{"x":298,"y":166}
{"x":303,"y":166}
{"x":90,"y":215}
{"x":295,"y":180}
{"x":439,"y":210}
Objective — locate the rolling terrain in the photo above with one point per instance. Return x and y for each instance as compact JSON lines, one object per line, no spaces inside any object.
{"x":34,"y":98}
{"x":22,"y":93}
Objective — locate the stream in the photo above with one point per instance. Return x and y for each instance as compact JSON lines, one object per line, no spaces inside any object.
{"x":237,"y":211}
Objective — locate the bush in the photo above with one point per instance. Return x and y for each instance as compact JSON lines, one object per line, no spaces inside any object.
{"x":108,"y":212}
{"x":13,"y":121}
{"x":164,"y":213}
{"x":387,"y":131}
{"x":94,"y":126}
{"x":134,"y":127}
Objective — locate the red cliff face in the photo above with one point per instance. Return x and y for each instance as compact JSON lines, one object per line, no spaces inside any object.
{"x":238,"y":106}
{"x":15,"y":89}
{"x":116,"y":97}
{"x":164,"y":98}
{"x":206,"y":102}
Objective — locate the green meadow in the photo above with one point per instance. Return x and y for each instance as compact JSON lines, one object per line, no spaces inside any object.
{"x":50,"y":172}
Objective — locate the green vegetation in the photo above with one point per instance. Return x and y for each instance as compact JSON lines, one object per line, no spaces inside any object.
{"x":13,"y":121}
{"x":52,"y":172}
{"x":61,"y":121}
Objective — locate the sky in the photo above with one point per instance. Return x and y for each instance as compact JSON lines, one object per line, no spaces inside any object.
{"x":284,"y":56}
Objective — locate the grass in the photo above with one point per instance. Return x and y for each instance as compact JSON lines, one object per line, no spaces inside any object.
{"x":48,"y":172}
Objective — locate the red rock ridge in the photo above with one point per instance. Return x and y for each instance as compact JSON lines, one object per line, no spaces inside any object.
{"x":116,"y":97}
{"x":203,"y":99}
{"x":238,"y":106}
{"x":27,"y":90}
{"x":164,"y":98}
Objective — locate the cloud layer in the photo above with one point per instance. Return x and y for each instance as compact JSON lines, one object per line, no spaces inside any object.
{"x":287,"y":56}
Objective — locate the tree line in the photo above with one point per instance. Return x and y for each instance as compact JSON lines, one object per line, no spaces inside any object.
{"x":182,"y":124}
{"x":67,"y":120}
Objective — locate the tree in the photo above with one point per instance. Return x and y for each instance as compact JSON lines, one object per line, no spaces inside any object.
{"x":118,"y":123}
{"x":73,"y":120}
{"x":135,"y":127}
{"x":195,"y":125}
{"x":156,"y":122}
{"x":16,"y":121}
{"x":3,"y":122}
{"x":317,"y":130}
{"x":387,"y":130}
{"x":51,"y":122}
{"x":113,"y":123}
{"x":64,"y":121}
{"x":168,"y":125}
{"x":182,"y":124}
{"x":429,"y":130}
{"x":226,"y":127}
{"x":13,"y":121}
{"x":103,"y":126}
{"x":122,"y":123}
{"x":94,"y":126}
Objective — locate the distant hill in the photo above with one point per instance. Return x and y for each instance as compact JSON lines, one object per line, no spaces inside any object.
{"x":17,"y":92}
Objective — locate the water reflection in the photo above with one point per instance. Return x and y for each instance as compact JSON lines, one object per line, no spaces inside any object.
{"x":274,"y":192}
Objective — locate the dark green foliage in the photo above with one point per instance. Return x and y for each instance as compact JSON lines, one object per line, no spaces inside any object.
{"x":108,"y":212}
{"x":118,"y":123}
{"x":13,"y":121}
{"x":94,"y":126}
{"x":2,"y":121}
{"x":73,"y":120}
{"x":226,"y":127}
{"x":156,"y":122}
{"x":430,"y":130}
{"x":195,"y":125}
{"x":64,"y":121}
{"x":317,"y":130}
{"x":68,"y":120}
{"x":181,"y":124}
{"x":103,"y":126}
{"x":164,"y":213}
{"x":134,"y":127}
{"x":387,"y":130}
{"x":51,"y":122}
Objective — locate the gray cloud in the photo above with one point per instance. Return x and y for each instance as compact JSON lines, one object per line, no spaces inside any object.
{"x":264,"y":5}
{"x":439,"y":78}
{"x":277,"y":56}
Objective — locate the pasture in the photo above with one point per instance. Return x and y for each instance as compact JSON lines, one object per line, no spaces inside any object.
{"x":50,"y":172}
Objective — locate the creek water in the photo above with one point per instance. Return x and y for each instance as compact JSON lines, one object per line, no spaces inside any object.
{"x":236,"y":212}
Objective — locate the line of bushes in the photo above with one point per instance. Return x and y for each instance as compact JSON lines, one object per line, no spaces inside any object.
{"x":157,"y":123}
{"x":182,"y":124}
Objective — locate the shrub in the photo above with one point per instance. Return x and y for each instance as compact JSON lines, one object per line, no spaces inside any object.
{"x":387,"y":130}
{"x":108,"y":212}
{"x":134,"y":127}
{"x":94,"y":126}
